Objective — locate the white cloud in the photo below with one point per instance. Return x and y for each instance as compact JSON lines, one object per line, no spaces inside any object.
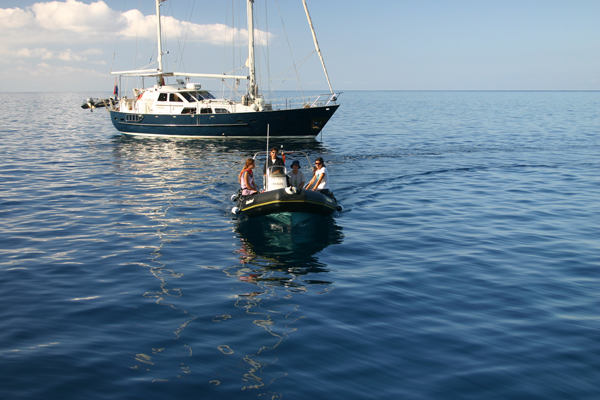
{"x":15,"y":18}
{"x":65,"y":55}
{"x":47,"y":70}
{"x":75,"y":22}
{"x":74,"y":16}
{"x":70,"y":40}
{"x":140,"y":25}
{"x":68,"y":55}
{"x":46,"y":77}
{"x":42,"y":53}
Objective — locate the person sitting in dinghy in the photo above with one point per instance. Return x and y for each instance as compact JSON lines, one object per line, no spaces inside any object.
{"x":247,"y":178}
{"x":296,"y":177}
{"x":320,"y":179}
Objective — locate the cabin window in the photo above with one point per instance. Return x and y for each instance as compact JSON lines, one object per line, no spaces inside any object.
{"x":162,"y":97}
{"x":202,"y":95}
{"x":175,"y":97}
{"x":187,"y":96}
{"x":188,"y":110}
{"x":221,"y":111}
{"x":205,"y":111}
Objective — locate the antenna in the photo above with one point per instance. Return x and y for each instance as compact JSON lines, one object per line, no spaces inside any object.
{"x":267,"y":162}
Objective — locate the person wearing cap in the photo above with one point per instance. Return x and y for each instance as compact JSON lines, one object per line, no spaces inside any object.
{"x":297,"y":178}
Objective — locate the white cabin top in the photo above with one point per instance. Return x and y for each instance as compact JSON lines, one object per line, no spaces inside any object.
{"x":180,"y":99}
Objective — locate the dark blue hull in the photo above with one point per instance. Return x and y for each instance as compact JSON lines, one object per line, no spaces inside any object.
{"x":294,"y":123}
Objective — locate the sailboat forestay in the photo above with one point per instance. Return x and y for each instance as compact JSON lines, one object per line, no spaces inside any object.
{"x":185,"y":110}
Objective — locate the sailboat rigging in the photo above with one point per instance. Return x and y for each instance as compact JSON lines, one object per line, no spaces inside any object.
{"x":184,"y":109}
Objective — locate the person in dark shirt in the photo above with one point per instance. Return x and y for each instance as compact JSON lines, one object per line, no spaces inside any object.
{"x":273,"y":160}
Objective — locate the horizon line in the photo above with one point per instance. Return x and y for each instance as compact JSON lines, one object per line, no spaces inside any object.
{"x":358,"y":90}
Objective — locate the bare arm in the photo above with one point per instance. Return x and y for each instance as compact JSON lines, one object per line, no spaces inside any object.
{"x":318,"y":182}
{"x":311,"y":181}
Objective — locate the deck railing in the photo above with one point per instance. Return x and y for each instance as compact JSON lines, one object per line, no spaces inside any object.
{"x":323,"y":100}
{"x":303,"y":102}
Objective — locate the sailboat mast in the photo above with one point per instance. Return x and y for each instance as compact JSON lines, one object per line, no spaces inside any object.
{"x":252,"y":88}
{"x":316,"y":43}
{"x":159,"y":38}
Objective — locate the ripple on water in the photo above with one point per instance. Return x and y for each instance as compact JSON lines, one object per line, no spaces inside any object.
{"x":464,"y":264}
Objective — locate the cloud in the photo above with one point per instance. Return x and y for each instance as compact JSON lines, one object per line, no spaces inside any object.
{"x":43,"y":76}
{"x":139,"y":25}
{"x":65,"y":55}
{"x":72,"y":21}
{"x":69,"y":40}
{"x":46,"y":70}
{"x":42,"y":53}
{"x":15,"y":18}
{"x":68,"y":55}
{"x":76,"y":17}
{"x":55,"y":23}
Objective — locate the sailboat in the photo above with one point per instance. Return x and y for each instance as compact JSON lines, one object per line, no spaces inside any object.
{"x":184,"y":109}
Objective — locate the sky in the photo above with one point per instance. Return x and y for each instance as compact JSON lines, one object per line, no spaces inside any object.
{"x":73,"y":45}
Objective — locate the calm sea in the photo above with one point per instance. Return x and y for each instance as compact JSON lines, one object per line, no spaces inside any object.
{"x":465,"y":265}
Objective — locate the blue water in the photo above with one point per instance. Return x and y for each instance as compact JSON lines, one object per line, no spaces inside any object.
{"x":465,"y":265}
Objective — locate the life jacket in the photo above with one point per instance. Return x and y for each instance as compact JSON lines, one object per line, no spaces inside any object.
{"x":243,"y":182}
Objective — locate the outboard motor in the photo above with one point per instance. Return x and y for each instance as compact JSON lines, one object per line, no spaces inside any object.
{"x":236,"y":196}
{"x":89,"y":103}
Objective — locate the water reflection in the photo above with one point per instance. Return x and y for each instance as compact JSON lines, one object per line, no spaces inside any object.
{"x":269,"y":244}
{"x":199,"y":147}
{"x":176,"y":197}
{"x":279,"y":263}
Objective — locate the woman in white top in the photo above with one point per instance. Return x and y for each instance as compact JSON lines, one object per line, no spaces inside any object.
{"x":320,"y":180}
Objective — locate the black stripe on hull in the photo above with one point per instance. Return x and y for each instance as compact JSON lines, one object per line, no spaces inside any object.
{"x":302,"y":122}
{"x":279,"y":201}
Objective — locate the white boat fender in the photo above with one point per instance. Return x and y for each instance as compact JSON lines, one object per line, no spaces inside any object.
{"x":235,"y":210}
{"x":236,"y":196}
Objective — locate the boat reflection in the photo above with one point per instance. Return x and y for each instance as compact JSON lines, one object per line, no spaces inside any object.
{"x":280,"y":263}
{"x":181,"y":187}
{"x":189,"y":147}
{"x":280,"y":255}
